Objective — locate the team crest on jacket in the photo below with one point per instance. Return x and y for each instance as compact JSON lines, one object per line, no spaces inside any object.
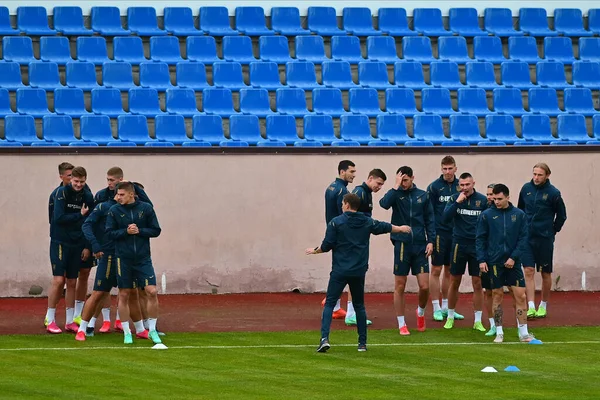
{"x":545,"y":196}
{"x":140,"y":214}
{"x":514,"y":218}
{"x":419,"y":200}
{"x":478,"y":203}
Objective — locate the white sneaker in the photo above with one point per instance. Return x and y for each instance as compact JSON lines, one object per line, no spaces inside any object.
{"x":526,"y":338}
{"x":499,"y":339}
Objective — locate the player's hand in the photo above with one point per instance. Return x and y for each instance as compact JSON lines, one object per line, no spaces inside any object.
{"x":461,"y":197}
{"x":84,"y":209}
{"x":483,"y":267}
{"x":85,"y":254}
{"x":509,"y":263}
{"x":429,"y":249}
{"x":406,"y":229}
{"x":132,"y":229}
{"x":310,"y":250}
{"x":398,"y":183}
{"x":98,"y":255}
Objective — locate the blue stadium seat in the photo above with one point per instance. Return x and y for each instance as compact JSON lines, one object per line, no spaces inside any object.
{"x":382,"y":48}
{"x":291,"y":101}
{"x":245,"y":128}
{"x":196,"y":143}
{"x":572,"y":128}
{"x":274,"y":48}
{"x":356,"y":128}
{"x":144,"y":101}
{"x":401,"y":101}
{"x":364,"y":101}
{"x":437,"y":101}
{"x":345,"y":143}
{"x":191,"y":75}
{"x":586,"y":74}
{"x":307,"y":143}
{"x":208,"y":128}
{"x":381,"y":143}
{"x":179,"y":21}
{"x":453,"y":49}
{"x":107,"y":21}
{"x":429,"y":128}
{"x":428,"y":22}
{"x":569,"y":22}
{"x":596,"y":126}
{"x":251,"y":21}
{"x":594,"y":20}
{"x":358,"y":21}
{"x":563,"y":143}
{"x":301,"y":75}
{"x":10,"y":76}
{"x":17,"y":49}
{"x":129,"y":49}
{"x":527,"y":143}
{"x":373,"y":75}
{"x":499,"y":22}
{"x":55,"y":49}
{"x":589,"y":49}
{"x":159,"y":144}
{"x":44,"y":75}
{"x":218,"y":101}
{"x":516,"y":75}
{"x":323,"y":21}
{"x":537,"y":128}
{"x":165,"y":49}
{"x":319,"y":128}
{"x":215,"y":21}
{"x":465,"y":128}
{"x":501,"y":128}
{"x":171,"y":128}
{"x":481,"y":75}
{"x":488,"y":48}
{"x":409,"y":74}
{"x":393,"y":21}
{"x":265,"y":75}
{"x":69,"y":101}
{"x":202,"y":49}
{"x":551,"y":74}
{"x":33,"y":102}
{"x":34,"y":21}
{"x":228,"y":75}
{"x":417,"y":49}
{"x":392,"y":128}
{"x":524,"y":49}
{"x":329,"y":102}
{"x":473,"y":101}
{"x":69,"y":21}
{"x":455,"y":143}
{"x":6,"y":28}
{"x":310,"y":48}
{"x":465,"y":22}
{"x":238,"y":49}
{"x":419,"y":143}
{"x":181,"y":101}
{"x":282,"y":128}
{"x":489,"y":143}
{"x":133,"y":128}
{"x":92,"y":49}
{"x":20,"y":128}
{"x":117,"y":75}
{"x":233,"y":143}
{"x":579,"y":101}
{"x":155,"y":75}
{"x":96,"y":128}
{"x":255,"y":102}
{"x":270,"y":143}
{"x":534,"y":22}
{"x":59,"y":129}
{"x":5,"y":108}
{"x":559,"y":49}
{"x":79,"y":74}
{"x":286,"y":21}
{"x":107,"y":102}
{"x":508,"y":101}
{"x":346,"y":48}
{"x":143,"y":22}
{"x":337,"y":74}
{"x":445,"y":74}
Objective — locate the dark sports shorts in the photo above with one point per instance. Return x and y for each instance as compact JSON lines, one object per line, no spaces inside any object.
{"x":540,"y":254}
{"x":463,"y":255}
{"x":133,"y":274}
{"x":442,"y":249}
{"x":106,"y":274}
{"x":409,"y":257}
{"x":66,"y":260}
{"x":498,"y":276}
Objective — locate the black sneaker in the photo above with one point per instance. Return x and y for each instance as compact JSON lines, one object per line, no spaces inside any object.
{"x":323,"y":346}
{"x":89,"y":332}
{"x":362,"y":347}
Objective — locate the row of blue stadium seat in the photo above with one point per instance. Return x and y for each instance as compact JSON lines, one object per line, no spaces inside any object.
{"x":307,"y":48}
{"x":281,"y":129}
{"x":357,"y":21}
{"x":334,"y":74}
{"x":327,"y":101}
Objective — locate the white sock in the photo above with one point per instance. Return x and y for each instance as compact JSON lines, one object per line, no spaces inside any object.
{"x":401,"y":322}
{"x":106,"y":314}
{"x":83,"y":326}
{"x":78,"y":307}
{"x":499,"y":331}
{"x":70,"y":312}
{"x":420,"y":311}
{"x":337,"y":306}
{"x":350,"y":312}
{"x":478,"y":316}
{"x":444,"y":304}
{"x":151,"y":324}
{"x":492,"y":323}
{"x":117,"y":317}
{"x":126,"y":329}
{"x":51,"y":315}
{"x":436,"y":305}
{"x":450,"y":314}
{"x":92,"y":323}
{"x":543,"y":304}
{"x":523,"y":330}
{"x":145,"y":322}
{"x":139,"y":326}
{"x":531,"y":305}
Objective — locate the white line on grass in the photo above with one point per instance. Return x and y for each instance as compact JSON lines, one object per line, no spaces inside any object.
{"x":285,"y":346}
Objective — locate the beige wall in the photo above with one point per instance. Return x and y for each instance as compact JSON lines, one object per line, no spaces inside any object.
{"x":242,"y":221}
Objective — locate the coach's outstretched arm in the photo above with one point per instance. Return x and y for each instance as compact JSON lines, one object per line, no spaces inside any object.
{"x":153,"y":230}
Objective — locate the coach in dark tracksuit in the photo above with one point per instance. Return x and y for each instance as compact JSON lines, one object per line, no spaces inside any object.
{"x":348,"y":236}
